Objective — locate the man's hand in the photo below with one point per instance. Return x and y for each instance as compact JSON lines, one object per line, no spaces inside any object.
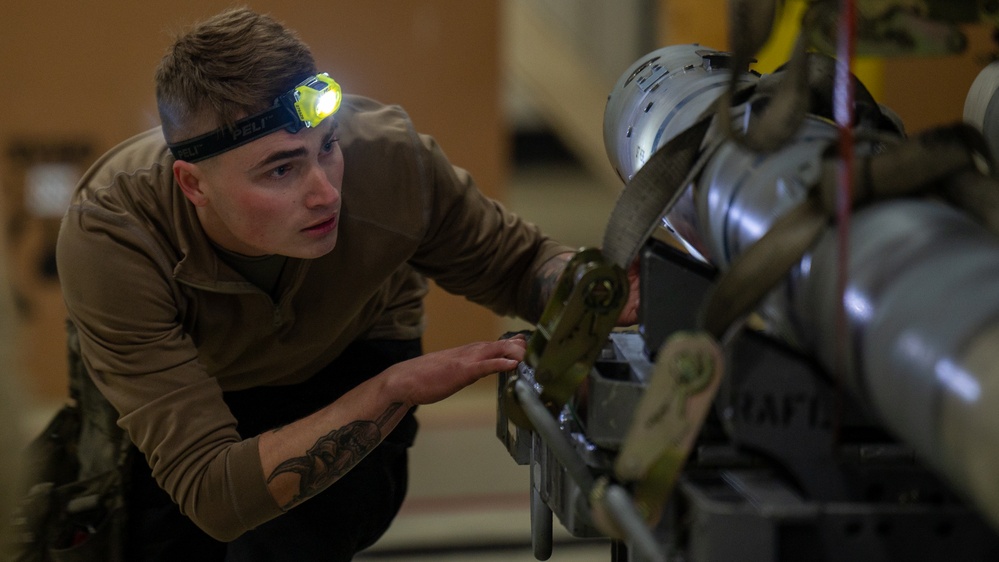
{"x":549,"y":275}
{"x":629,"y":314}
{"x":304,"y":457}
{"x":435,"y":376}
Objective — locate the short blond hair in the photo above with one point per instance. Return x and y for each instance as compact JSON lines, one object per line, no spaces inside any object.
{"x":225,"y":68}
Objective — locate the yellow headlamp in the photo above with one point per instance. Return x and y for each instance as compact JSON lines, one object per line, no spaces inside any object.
{"x":315,"y":99}
{"x":306,"y":105}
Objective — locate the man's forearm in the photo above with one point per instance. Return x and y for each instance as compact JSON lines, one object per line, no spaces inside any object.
{"x":543,"y":284}
{"x":305,"y":457}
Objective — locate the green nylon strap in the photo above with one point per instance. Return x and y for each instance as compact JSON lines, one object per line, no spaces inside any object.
{"x":762,"y":267}
{"x":916,"y":166}
{"x":775,"y":122}
{"x":651,"y":192}
{"x":941,"y":161}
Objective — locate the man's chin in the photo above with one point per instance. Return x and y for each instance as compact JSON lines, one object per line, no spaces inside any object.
{"x":315,"y":249}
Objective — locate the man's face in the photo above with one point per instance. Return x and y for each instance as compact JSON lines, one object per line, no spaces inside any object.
{"x":279,"y":194}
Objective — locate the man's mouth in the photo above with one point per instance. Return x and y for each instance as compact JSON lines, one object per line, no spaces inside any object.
{"x":324,"y":225}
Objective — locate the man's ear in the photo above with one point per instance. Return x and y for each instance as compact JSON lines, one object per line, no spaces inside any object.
{"x":190,"y":178}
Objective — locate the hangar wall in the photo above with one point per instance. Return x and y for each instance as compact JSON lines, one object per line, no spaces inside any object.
{"x":78,"y":78}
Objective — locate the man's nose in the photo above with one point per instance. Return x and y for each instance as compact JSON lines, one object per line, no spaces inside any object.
{"x":321,"y":192}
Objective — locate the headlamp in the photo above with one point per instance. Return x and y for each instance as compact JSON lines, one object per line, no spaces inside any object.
{"x":306,"y":105}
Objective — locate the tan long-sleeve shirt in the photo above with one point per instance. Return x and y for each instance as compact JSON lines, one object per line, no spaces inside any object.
{"x":166,"y":326}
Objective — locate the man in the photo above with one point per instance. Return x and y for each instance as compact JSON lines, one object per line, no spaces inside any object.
{"x":247,"y":286}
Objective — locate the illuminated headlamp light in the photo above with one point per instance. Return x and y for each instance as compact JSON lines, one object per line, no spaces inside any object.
{"x":306,"y":105}
{"x":314,"y":99}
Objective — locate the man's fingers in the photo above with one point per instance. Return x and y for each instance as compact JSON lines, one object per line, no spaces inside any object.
{"x":513,"y":348}
{"x":502,"y":355}
{"x":501,"y":364}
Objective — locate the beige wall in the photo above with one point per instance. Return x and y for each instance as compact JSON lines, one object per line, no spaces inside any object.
{"x":930,"y":91}
{"x":80,"y":73}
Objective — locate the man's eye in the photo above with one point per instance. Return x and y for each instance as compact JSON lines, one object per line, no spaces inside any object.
{"x":281,"y":171}
{"x":329,"y":144}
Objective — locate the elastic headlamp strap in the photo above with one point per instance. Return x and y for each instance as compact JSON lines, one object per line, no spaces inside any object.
{"x":224,"y":139}
{"x":292,"y":110}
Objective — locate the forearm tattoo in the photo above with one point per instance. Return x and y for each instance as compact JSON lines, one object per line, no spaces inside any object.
{"x":333,"y":455}
{"x":545,"y":282}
